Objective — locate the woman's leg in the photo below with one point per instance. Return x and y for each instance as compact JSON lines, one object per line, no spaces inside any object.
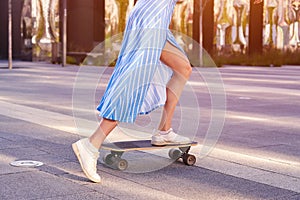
{"x":103,"y":130}
{"x":178,"y":62}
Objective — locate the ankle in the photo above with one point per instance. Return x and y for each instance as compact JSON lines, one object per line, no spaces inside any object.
{"x":90,"y":146}
{"x":165,"y":131}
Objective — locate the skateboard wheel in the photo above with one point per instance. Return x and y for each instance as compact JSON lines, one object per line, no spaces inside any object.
{"x":121,"y":164}
{"x":174,"y":154}
{"x":108,"y":159}
{"x":189,"y":159}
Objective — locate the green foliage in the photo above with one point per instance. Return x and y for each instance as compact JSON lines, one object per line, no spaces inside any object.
{"x":270,"y":57}
{"x":71,"y":60}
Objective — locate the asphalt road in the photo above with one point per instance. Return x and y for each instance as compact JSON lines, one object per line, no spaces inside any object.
{"x":246,"y":120}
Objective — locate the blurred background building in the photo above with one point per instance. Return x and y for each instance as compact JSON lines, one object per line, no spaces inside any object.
{"x":229,"y":26}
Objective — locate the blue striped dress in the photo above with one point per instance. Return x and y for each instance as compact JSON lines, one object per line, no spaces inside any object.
{"x":138,"y":83}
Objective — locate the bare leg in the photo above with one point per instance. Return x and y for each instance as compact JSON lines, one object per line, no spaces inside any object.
{"x":178,"y":62}
{"x":103,"y":130}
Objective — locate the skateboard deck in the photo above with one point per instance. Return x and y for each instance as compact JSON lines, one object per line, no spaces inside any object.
{"x":115,"y":160}
{"x":140,"y":145}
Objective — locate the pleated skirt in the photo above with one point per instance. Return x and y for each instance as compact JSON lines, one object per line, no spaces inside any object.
{"x":138,"y":83}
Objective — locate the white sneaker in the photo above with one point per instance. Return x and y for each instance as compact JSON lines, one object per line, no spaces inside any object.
{"x":87,"y":160}
{"x":162,"y":138}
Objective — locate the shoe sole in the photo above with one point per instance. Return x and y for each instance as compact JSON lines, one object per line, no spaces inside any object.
{"x":76,"y":151}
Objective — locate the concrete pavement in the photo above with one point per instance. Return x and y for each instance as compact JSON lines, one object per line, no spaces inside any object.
{"x":257,"y":155}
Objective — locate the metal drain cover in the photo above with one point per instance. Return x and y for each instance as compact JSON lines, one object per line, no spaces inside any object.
{"x":26,"y":163}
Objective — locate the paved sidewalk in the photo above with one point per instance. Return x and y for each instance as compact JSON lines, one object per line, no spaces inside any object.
{"x":257,"y":155}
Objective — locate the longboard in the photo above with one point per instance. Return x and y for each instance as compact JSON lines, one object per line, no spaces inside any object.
{"x":115,"y":160}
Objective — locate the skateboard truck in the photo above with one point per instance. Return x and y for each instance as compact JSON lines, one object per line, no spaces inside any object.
{"x":183,"y":152}
{"x":115,"y":161}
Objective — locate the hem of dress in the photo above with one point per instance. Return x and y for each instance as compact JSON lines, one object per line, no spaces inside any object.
{"x":130,"y":120}
{"x":147,"y":112}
